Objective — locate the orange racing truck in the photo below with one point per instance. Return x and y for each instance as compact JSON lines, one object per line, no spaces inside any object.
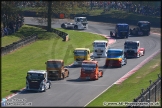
{"x":90,"y":70}
{"x":56,"y":69}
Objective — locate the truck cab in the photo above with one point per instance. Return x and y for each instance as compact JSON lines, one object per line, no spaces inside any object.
{"x":115,"y":58}
{"x":143,"y":28}
{"x":100,"y":48}
{"x":132,"y":49}
{"x":80,"y":23}
{"x":90,"y":70}
{"x":56,"y":70}
{"x":121,"y":31}
{"x":37,"y":80}
{"x":81,"y":54}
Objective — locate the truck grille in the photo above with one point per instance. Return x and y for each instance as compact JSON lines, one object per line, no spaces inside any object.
{"x":123,"y":33}
{"x":112,"y":61}
{"x":80,"y":59}
{"x":130,"y":52}
{"x":51,"y":74}
{"x":34,"y":85}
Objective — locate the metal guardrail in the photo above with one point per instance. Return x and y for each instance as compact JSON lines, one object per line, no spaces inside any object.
{"x":15,"y":45}
{"x":151,"y":94}
{"x":64,"y":35}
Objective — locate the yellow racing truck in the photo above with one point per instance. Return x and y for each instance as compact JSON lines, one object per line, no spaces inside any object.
{"x":81,"y":54}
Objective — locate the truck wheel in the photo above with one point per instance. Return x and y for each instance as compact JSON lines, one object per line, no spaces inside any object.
{"x":138,"y":55}
{"x":75,"y":27}
{"x":63,"y":26}
{"x":44,"y":88}
{"x":115,"y":35}
{"x":125,"y":62}
{"x":63,"y":76}
{"x":67,"y":73}
{"x":101,"y":74}
{"x":49,"y":86}
{"x":120,"y":65}
{"x":111,"y":34}
{"x":97,"y":77}
{"x":143,"y":53}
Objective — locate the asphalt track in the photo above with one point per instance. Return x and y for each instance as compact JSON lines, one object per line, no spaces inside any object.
{"x":73,"y":92}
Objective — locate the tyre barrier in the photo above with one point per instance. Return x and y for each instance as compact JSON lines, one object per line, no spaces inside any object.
{"x":15,"y":45}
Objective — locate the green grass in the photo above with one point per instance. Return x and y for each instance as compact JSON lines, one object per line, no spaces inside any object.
{"x":33,"y":56}
{"x":6,"y":40}
{"x":131,"y":87}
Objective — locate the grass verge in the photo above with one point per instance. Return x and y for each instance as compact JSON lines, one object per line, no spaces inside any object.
{"x":33,"y":56}
{"x":6,"y":40}
{"x":131,"y":87}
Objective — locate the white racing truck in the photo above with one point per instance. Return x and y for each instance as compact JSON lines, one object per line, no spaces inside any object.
{"x":100,"y":48}
{"x":37,"y":80}
{"x":132,"y":49}
{"x":80,"y":24}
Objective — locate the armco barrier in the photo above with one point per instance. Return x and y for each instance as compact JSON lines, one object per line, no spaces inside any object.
{"x":63,"y":35}
{"x":15,"y":45}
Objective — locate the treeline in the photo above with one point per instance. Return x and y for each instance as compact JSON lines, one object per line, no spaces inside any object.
{"x":11,"y":17}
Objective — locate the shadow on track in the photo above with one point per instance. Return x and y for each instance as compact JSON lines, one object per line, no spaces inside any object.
{"x":78,"y":80}
{"x":29,"y":91}
{"x":72,"y":66}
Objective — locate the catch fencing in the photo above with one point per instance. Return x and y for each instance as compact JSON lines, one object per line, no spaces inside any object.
{"x":152,"y":93}
{"x":15,"y":45}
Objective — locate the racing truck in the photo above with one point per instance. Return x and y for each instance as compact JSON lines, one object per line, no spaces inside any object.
{"x":81,"y":54}
{"x":132,"y":49}
{"x":142,"y":29}
{"x":121,"y":31}
{"x":80,"y":24}
{"x":37,"y":80}
{"x":56,"y":70}
{"x":100,"y":48}
{"x":90,"y":70}
{"x":115,"y":58}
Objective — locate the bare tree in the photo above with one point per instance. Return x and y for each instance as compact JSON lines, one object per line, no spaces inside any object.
{"x":51,"y":9}
{"x":49,"y":15}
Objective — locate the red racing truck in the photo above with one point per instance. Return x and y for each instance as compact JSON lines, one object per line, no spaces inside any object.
{"x":90,"y":70}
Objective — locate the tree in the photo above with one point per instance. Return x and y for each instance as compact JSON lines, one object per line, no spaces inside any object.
{"x":47,"y":10}
{"x":49,"y":15}
{"x":9,"y":11}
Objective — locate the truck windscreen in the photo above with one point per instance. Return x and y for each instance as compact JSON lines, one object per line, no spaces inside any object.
{"x":114,"y":53}
{"x":88,"y":66}
{"x":53,"y":64}
{"x":131,"y":45}
{"x":123,"y":27}
{"x":83,"y":20}
{"x":80,"y":53}
{"x":35,"y":76}
{"x":145,"y":26}
{"x":99,"y":45}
